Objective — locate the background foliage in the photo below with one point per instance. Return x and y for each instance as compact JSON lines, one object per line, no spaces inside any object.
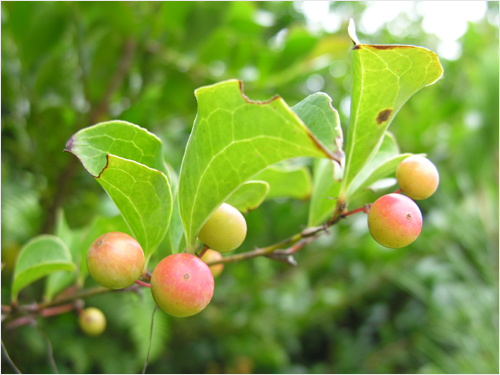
{"x":350,"y":306}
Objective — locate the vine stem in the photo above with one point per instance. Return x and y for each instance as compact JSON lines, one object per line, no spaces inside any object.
{"x":143,"y":283}
{"x":294,"y":244}
{"x":9,"y":360}
{"x":203,"y":251}
{"x":310,"y":233}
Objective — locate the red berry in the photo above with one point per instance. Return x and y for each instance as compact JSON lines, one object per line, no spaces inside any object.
{"x":182,"y":285}
{"x":394,"y":221}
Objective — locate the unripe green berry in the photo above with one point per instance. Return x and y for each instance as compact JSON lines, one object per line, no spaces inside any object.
{"x":213,"y":256}
{"x":115,"y":260}
{"x":92,"y":321}
{"x":394,"y":221}
{"x":182,"y":285}
{"x":225,"y":230}
{"x":417,"y":177}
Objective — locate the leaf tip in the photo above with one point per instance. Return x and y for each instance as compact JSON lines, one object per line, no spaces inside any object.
{"x":351,"y":30}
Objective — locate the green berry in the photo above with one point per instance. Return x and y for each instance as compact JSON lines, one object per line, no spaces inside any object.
{"x":225,"y":230}
{"x":115,"y":260}
{"x":212,"y":256}
{"x":417,"y":177}
{"x":92,"y":321}
{"x":394,"y":221}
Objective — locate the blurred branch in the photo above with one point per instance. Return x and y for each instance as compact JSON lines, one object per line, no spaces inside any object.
{"x":26,"y":314}
{"x":9,"y":360}
{"x":95,"y":113}
{"x":150,"y":339}
{"x":115,"y":82}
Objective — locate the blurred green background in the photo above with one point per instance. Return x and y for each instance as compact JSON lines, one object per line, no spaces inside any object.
{"x":350,"y":306}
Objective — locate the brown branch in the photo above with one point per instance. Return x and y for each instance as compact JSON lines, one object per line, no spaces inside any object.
{"x":309,"y":234}
{"x":66,"y":302}
{"x":95,"y":113}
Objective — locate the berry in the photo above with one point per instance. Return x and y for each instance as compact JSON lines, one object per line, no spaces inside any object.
{"x":225,"y":230}
{"x":92,"y":321}
{"x":115,"y":260}
{"x":212,"y":256}
{"x":182,"y":285}
{"x":394,"y":221}
{"x":417,"y":177}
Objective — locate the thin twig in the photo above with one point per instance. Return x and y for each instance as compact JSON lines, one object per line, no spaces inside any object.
{"x":312,"y":232}
{"x":142,"y":283}
{"x":11,"y":363}
{"x":203,"y":251}
{"x":150,"y":340}
{"x":50,"y":351}
{"x":116,"y":80}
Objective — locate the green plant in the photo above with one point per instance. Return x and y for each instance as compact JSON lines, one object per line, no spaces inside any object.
{"x":394,"y":221}
{"x":115,"y":260}
{"x":92,"y":321}
{"x":182,"y":285}
{"x":417,"y":177}
{"x":225,"y":230}
{"x":237,"y":157}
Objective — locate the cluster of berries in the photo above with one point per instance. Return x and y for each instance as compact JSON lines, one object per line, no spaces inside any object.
{"x":181,"y":284}
{"x":395,"y":220}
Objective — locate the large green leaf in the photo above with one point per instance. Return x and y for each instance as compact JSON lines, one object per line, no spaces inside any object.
{"x":120,"y":138}
{"x":384,"y":164}
{"x":143,"y":197}
{"x":317,"y":113}
{"x":384,"y":78}
{"x":289,"y":181}
{"x":327,"y":177}
{"x":249,"y":196}
{"x":128,"y":162}
{"x":233,"y":139}
{"x":38,"y":258}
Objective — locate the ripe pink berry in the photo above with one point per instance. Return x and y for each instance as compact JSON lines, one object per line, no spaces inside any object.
{"x":115,"y":260}
{"x":417,"y":177}
{"x":394,"y":221}
{"x":182,"y":285}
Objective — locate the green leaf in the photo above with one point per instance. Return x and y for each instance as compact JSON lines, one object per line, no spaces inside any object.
{"x":128,"y":162}
{"x":58,"y":281}
{"x":175,"y":232}
{"x":249,"y":196}
{"x":120,"y":138}
{"x":384,"y":78}
{"x":233,"y":139}
{"x":143,"y":197}
{"x":317,"y":113}
{"x":327,"y":177}
{"x":291,"y":181}
{"x":384,"y":164}
{"x":99,"y":226}
{"x":38,"y":258}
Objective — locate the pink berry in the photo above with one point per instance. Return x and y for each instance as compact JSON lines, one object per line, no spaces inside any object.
{"x":115,"y":260}
{"x":394,"y":221}
{"x":182,"y":285}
